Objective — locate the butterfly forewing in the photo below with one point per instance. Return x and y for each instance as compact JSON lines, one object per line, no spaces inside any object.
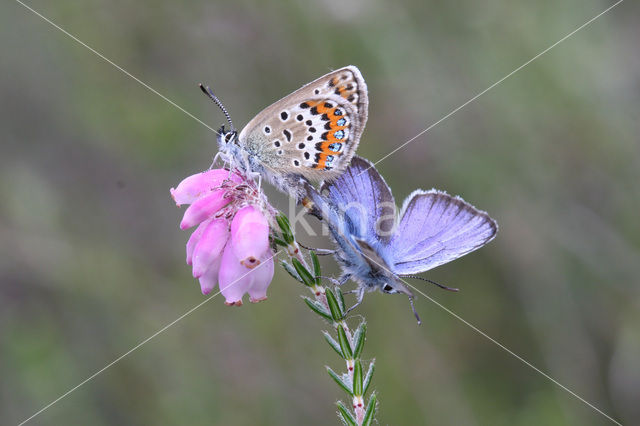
{"x":314,"y":131}
{"x":436,"y":228}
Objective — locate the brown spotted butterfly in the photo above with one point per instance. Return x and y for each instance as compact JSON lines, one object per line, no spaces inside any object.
{"x":309,"y":135}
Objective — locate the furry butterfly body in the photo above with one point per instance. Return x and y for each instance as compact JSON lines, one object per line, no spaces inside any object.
{"x":376,"y":247}
{"x":309,"y":135}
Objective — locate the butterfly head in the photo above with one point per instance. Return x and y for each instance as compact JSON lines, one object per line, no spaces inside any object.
{"x":395,"y":286}
{"x":226,"y":138}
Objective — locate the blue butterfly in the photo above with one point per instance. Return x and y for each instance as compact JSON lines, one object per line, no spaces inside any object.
{"x":375,"y":247}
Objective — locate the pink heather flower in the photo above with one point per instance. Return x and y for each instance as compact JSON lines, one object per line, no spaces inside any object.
{"x":249,"y":236}
{"x":230,"y":246}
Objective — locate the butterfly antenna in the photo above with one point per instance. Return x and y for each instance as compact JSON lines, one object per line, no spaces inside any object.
{"x":207,"y":91}
{"x":413,"y":308}
{"x":444,"y":287}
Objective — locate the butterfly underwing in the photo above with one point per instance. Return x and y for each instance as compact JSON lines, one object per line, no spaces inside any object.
{"x":309,"y":135}
{"x":376,"y":246}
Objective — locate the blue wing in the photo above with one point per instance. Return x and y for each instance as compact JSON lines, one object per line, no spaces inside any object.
{"x":364,"y":201}
{"x":436,"y":228}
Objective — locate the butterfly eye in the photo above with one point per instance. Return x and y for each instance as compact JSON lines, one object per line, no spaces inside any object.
{"x":231,"y":136}
{"x":388,"y":289}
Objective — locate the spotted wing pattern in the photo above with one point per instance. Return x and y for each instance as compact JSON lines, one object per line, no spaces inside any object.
{"x":314,"y":131}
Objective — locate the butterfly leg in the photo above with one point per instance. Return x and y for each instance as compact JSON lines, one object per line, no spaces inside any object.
{"x":215,"y":158}
{"x":344,"y":279}
{"x":360,"y":292}
{"x":333,"y":280}
{"x":413,"y":308}
{"x":318,"y":251}
{"x":339,"y":282}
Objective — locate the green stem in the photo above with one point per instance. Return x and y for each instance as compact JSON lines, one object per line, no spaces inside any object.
{"x":328,"y":303}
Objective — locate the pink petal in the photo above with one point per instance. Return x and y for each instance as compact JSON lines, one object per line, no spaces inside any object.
{"x":203,"y":209}
{"x":209,"y":248}
{"x":193,"y":187}
{"x":209,"y":280}
{"x":193,"y":240}
{"x":234,"y":278}
{"x":262,"y":277}
{"x":250,"y":236}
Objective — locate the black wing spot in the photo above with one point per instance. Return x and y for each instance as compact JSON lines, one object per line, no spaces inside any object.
{"x":299,"y":117}
{"x":304,"y":105}
{"x":284,"y":115}
{"x":287,"y":134}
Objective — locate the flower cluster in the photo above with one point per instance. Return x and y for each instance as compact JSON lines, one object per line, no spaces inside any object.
{"x":230,"y":246}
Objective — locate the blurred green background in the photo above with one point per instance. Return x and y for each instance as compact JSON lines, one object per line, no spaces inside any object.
{"x":92,"y":260}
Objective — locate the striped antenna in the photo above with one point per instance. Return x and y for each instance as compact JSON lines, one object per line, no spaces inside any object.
{"x":207,"y":91}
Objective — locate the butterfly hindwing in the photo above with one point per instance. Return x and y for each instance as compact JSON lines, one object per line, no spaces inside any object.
{"x":436,"y":228}
{"x":313,"y":132}
{"x":365,"y":200}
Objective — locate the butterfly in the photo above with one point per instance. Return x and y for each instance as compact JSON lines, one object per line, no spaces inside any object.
{"x":311,"y":134}
{"x":376,"y":247}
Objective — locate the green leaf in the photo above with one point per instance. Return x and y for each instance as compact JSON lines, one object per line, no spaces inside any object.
{"x":370,"y":413}
{"x":345,"y":415}
{"x":367,"y":378}
{"x":318,"y":308}
{"x":279,"y":242}
{"x":357,"y":378}
{"x":358,"y":339}
{"x":284,"y":223}
{"x":291,"y":271}
{"x":339,"y":380}
{"x":340,"y":299}
{"x":316,"y":267}
{"x":344,"y":343}
{"x":336,"y":312}
{"x":303,"y":273}
{"x":285,"y":227}
{"x":332,"y":342}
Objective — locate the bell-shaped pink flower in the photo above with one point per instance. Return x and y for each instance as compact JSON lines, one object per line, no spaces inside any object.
{"x":230,"y":246}
{"x":209,"y":280}
{"x":203,"y":208}
{"x":194,"y":239}
{"x":236,"y":279}
{"x":250,"y":236}
{"x":195,"y":186}
{"x":262,"y":276}
{"x":209,"y":248}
